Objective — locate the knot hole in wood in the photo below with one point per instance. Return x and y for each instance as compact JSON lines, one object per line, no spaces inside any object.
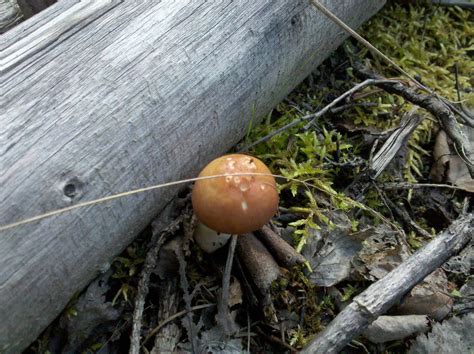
{"x":73,"y":188}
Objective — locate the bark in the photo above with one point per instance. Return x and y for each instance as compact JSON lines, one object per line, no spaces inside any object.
{"x":103,"y":96}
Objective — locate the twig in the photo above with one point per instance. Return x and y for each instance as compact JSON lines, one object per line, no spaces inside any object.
{"x":158,"y":239}
{"x":433,"y":104}
{"x":383,"y":294}
{"x":468,"y":4}
{"x":284,"y":253}
{"x":187,"y":298}
{"x":172,"y":318}
{"x":404,"y":216}
{"x":274,"y":339}
{"x":407,"y":185}
{"x":319,"y":113}
{"x":223,"y":316}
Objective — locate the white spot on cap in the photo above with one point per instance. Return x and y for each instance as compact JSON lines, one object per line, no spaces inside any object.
{"x":228,"y":179}
{"x":262,"y":187}
{"x":245,"y":206}
{"x":244,"y":187}
{"x":237,"y":179}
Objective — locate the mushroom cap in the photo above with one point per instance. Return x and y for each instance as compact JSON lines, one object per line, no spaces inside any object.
{"x":235,"y":204}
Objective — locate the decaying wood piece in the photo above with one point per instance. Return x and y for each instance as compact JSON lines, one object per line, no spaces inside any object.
{"x":100,"y":97}
{"x":283,"y":253}
{"x":395,"y":142}
{"x":385,"y":154}
{"x":157,"y":241}
{"x":167,"y":338}
{"x":258,"y":262}
{"x":383,"y":294}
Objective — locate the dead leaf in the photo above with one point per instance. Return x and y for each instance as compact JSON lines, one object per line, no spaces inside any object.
{"x":380,"y":254}
{"x":91,"y":310}
{"x":463,"y":262}
{"x":430,"y":297}
{"x":331,"y":263}
{"x":448,"y":166}
{"x":167,"y":264}
{"x":235,"y":292}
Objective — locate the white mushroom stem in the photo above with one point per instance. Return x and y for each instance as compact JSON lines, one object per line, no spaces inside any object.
{"x":208,"y":239}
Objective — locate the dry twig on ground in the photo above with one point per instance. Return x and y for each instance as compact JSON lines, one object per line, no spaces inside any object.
{"x":158,"y":239}
{"x":433,"y":104}
{"x":383,"y":294}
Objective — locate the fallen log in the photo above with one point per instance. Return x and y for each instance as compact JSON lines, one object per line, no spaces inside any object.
{"x":9,"y":14}
{"x":383,"y":294}
{"x":100,"y":97}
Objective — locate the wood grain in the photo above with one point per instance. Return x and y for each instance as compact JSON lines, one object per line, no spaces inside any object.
{"x":139,"y":94}
{"x":10,"y":14}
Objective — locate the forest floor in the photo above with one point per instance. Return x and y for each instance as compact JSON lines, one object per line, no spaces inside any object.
{"x":383,"y":178}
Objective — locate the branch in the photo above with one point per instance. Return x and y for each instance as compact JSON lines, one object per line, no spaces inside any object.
{"x":433,"y":104}
{"x":319,"y":113}
{"x":383,"y":294}
{"x":158,"y":239}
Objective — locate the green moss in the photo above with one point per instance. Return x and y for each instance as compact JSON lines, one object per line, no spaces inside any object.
{"x":431,"y":43}
{"x":434,"y":44}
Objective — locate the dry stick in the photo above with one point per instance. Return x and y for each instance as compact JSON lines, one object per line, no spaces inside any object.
{"x":281,"y":250}
{"x":171,"y":318}
{"x":319,"y":113}
{"x":404,"y":216}
{"x":157,"y":241}
{"x":193,"y":339}
{"x":223,"y":314}
{"x":407,"y":185}
{"x":386,"y":292}
{"x":435,"y":106}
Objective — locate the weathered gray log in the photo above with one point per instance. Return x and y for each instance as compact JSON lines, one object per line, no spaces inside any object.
{"x":10,"y":14}
{"x":383,"y":294}
{"x":103,"y":96}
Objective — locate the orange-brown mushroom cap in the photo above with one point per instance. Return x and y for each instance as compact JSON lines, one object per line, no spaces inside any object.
{"x":235,"y":204}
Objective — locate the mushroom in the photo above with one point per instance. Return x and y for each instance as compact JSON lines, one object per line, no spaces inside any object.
{"x":208,"y":239}
{"x":235,"y":204}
